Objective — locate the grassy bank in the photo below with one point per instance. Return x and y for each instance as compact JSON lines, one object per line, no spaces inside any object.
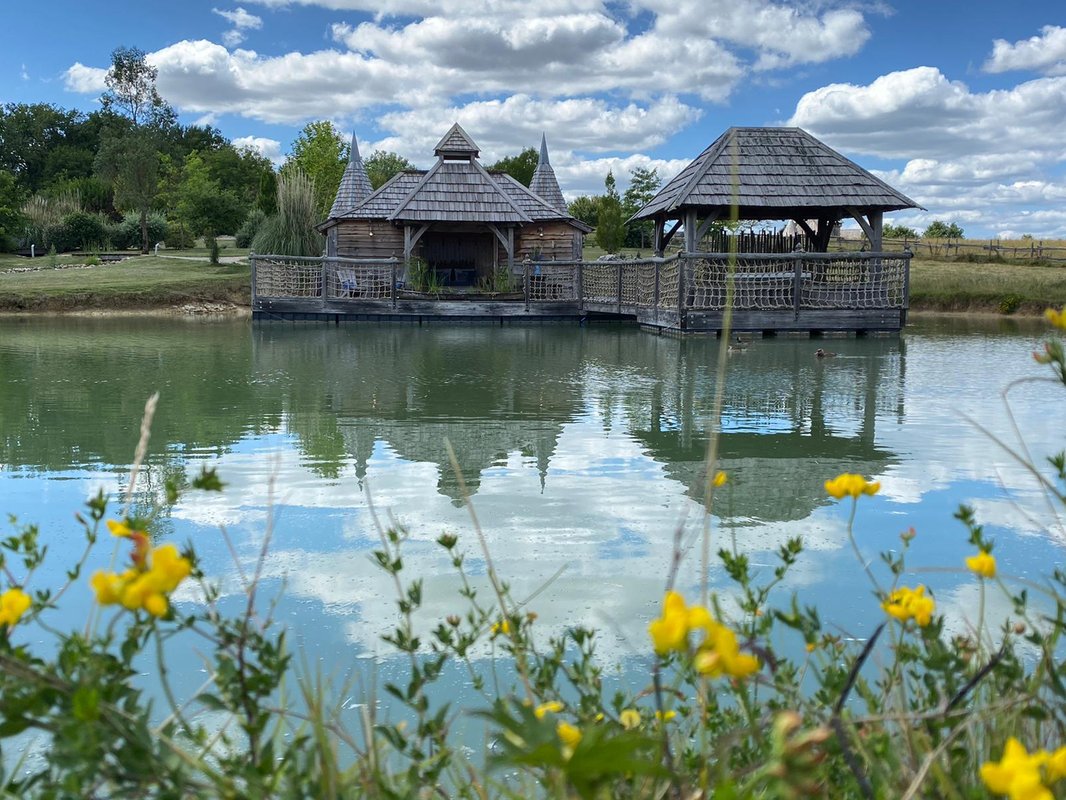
{"x":995,"y":287}
{"x":142,"y":282}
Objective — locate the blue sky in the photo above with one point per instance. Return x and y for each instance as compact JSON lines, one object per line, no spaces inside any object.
{"x":960,"y":105}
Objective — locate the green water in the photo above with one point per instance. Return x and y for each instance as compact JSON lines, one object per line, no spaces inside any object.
{"x":581,"y":448}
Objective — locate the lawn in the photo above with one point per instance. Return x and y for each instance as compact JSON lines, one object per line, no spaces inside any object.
{"x":141,"y":282}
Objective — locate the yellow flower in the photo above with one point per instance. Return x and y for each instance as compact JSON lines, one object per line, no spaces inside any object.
{"x":107,"y":585}
{"x":1056,"y":318}
{"x":905,"y":603}
{"x":719,"y":654}
{"x":551,"y":707}
{"x":569,"y":735}
{"x":1017,"y":773}
{"x":168,"y":568}
{"x":983,"y":564}
{"x":503,"y":626}
{"x":145,"y":586}
{"x":119,"y":528}
{"x":630,"y":719}
{"x":670,"y":631}
{"x":665,"y":716}
{"x":848,"y":483}
{"x":720,"y":478}
{"x":13,"y":604}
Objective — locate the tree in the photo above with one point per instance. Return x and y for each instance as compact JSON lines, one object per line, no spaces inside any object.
{"x":321,"y":154}
{"x":202,"y":204}
{"x":939,"y":229}
{"x":11,"y":220}
{"x":128,"y":157}
{"x":131,"y":91}
{"x":520,"y":167}
{"x":643,"y":184}
{"x":585,"y":208}
{"x":890,"y":231}
{"x":382,"y":165}
{"x":610,"y":228}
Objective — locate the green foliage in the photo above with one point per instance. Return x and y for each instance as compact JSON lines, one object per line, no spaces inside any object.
{"x":126,"y":235}
{"x":938,"y":229}
{"x":382,"y":165}
{"x":643,"y":184}
{"x":520,"y":167}
{"x":321,"y":154}
{"x":890,"y":231}
{"x":130,"y":163}
{"x":421,"y":277}
{"x":81,"y":230}
{"x":201,"y":202}
{"x":178,"y":236}
{"x":291,"y":232}
{"x":12,"y":221}
{"x":1010,"y":304}
{"x":610,"y":226}
{"x":267,"y":196}
{"x":246,"y":233}
{"x":586,"y":209}
{"x":131,"y":90}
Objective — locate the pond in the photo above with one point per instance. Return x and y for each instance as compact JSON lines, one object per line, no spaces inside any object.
{"x":582,"y":450}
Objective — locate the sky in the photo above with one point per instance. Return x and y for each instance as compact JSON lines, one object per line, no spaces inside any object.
{"x":962,"y":106}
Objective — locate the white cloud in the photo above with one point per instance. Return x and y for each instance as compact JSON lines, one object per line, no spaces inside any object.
{"x":232,"y":38}
{"x":85,"y":80}
{"x":240,"y":19}
{"x":1045,"y":53}
{"x":268,"y":148}
{"x":24,"y":73}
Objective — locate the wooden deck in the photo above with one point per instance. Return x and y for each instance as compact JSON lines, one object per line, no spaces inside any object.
{"x":689,"y":293}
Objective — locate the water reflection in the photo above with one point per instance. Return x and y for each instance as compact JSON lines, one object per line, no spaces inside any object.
{"x":582,"y":448}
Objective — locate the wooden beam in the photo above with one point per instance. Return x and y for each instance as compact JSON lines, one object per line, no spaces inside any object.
{"x":690,"y":231}
{"x":866,"y":228}
{"x":418,"y":234}
{"x":503,"y":239}
{"x":706,"y":225}
{"x":669,"y":234}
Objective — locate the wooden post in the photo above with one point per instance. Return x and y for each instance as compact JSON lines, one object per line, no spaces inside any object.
{"x":619,"y":287}
{"x":525,"y":280}
{"x":655,"y":291}
{"x":797,"y":282}
{"x":581,"y":285}
{"x":907,"y":254}
{"x":681,"y":288}
{"x":255,"y":294}
{"x":323,"y":291}
{"x":392,"y":281}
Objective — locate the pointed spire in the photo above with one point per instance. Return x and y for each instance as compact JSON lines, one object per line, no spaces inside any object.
{"x":355,"y":184}
{"x":544,"y":182}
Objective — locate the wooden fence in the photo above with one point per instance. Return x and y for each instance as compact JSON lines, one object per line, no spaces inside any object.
{"x":1015,"y":249}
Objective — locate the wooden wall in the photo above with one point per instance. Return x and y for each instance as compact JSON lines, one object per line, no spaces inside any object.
{"x":354,"y":239}
{"x":556,"y":240}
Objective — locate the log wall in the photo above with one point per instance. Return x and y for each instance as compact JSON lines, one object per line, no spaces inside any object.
{"x":354,"y":239}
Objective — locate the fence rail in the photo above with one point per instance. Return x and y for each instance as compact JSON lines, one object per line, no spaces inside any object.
{"x":1016,"y":249}
{"x":771,"y":282}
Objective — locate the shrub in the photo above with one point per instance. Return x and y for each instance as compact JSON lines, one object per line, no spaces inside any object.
{"x":79,"y":231}
{"x":128,"y":231}
{"x":249,"y":228}
{"x":1010,"y":304}
{"x":178,"y":236}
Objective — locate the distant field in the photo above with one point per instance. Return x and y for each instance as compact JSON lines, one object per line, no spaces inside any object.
{"x":141,"y":282}
{"x":947,"y":285}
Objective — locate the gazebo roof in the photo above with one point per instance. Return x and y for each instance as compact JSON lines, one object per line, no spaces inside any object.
{"x":456,"y":143}
{"x":773,"y":173}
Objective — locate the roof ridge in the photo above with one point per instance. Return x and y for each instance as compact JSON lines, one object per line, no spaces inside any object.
{"x":411,"y":194}
{"x":496,"y":187}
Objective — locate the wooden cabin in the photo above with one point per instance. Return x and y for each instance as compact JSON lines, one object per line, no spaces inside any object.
{"x":462,"y":220}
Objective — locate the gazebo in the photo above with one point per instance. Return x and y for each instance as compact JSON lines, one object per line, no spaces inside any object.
{"x":464,"y":221}
{"x":771,"y":174}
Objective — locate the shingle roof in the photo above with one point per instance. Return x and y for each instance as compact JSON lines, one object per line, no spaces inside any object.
{"x":458,"y":191}
{"x":456,"y":143}
{"x":544,"y":183}
{"x":381,"y":203}
{"x":776,"y":170}
{"x":535,"y":206}
{"x":355,"y":184}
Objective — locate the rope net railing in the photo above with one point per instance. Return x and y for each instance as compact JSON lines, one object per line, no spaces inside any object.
{"x":553,"y":281}
{"x":292,"y":277}
{"x":855,"y":282}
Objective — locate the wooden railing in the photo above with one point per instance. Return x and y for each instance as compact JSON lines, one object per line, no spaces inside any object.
{"x":685,"y":282}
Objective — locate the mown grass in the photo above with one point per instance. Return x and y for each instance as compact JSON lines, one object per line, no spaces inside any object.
{"x":141,"y":282}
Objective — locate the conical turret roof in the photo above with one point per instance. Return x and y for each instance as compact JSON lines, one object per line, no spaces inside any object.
{"x":355,"y":184}
{"x":544,"y":183}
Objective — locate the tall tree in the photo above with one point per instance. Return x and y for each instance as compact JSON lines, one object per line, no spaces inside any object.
{"x":585,"y":208}
{"x":520,"y":167}
{"x":201,"y":202}
{"x":11,"y":219}
{"x":321,"y":154}
{"x":129,"y":149}
{"x":382,"y":165}
{"x":643,"y":184}
{"x":938,"y":229}
{"x":610,"y":227}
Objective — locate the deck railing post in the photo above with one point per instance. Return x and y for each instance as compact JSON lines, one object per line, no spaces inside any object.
{"x":580,"y":286}
{"x":324,"y":288}
{"x":525,"y":280}
{"x":655,"y":290}
{"x":681,"y":288}
{"x":906,"y":299}
{"x":255,"y":293}
{"x":392,"y":281}
{"x":797,"y":281}
{"x":619,"y":287}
